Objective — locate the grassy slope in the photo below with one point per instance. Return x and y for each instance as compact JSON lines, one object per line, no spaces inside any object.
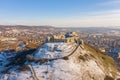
{"x":106,"y":61}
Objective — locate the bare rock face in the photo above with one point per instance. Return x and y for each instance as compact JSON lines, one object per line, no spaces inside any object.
{"x":85,"y":63}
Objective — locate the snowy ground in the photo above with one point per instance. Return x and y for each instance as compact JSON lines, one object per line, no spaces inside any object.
{"x":56,"y":70}
{"x":50,"y":69}
{"x":4,"y":55}
{"x":54,"y":50}
{"x":53,"y":70}
{"x":60,"y":69}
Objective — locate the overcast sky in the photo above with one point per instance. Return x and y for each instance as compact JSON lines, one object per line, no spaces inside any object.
{"x":61,"y":13}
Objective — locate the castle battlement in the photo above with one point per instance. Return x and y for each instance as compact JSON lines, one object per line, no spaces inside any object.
{"x":69,"y":37}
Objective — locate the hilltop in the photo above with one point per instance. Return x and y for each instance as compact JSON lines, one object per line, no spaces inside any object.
{"x":50,"y":61}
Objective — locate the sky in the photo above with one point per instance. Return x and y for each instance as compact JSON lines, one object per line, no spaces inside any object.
{"x":60,"y":13}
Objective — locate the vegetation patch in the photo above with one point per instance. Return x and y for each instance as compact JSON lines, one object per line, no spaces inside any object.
{"x":84,"y":57}
{"x":81,"y":57}
{"x":106,"y":60}
{"x":108,"y":78}
{"x":24,"y":68}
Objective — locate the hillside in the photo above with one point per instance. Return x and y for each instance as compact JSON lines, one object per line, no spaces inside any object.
{"x":63,"y":61}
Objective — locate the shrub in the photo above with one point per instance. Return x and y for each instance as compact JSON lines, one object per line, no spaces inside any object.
{"x":24,"y":68}
{"x":108,"y":78}
{"x":66,"y":58}
{"x":82,"y":57}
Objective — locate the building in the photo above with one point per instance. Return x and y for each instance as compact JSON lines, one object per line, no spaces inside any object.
{"x":69,"y":37}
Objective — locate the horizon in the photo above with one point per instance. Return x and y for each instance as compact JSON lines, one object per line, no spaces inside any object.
{"x":60,"y":26}
{"x":60,"y":13}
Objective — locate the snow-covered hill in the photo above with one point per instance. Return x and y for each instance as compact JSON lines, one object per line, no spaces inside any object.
{"x":84,"y":64}
{"x":54,"y":50}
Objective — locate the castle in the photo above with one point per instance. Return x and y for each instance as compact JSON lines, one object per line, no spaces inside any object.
{"x":69,"y":37}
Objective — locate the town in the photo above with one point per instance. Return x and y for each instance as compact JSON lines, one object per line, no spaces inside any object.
{"x":28,"y":48}
{"x":17,"y":38}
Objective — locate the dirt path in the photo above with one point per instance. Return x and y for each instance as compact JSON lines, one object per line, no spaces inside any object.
{"x":33,"y":73}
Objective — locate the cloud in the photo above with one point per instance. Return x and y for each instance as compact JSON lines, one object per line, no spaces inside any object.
{"x":106,"y":12}
{"x":94,"y":19}
{"x":110,"y":2}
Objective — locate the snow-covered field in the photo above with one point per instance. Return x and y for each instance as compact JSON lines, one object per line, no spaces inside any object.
{"x":48,"y":70}
{"x":4,"y":55}
{"x":73,"y":69}
{"x":56,"y":70}
{"x":53,"y":70}
{"x":54,"y":50}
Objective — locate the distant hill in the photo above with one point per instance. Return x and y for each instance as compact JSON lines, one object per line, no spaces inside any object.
{"x":23,"y":26}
